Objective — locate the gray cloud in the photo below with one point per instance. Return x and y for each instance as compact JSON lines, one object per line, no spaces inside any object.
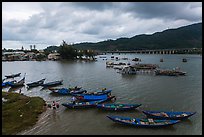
{"x":81,"y":22}
{"x":93,"y":5}
{"x":167,"y":10}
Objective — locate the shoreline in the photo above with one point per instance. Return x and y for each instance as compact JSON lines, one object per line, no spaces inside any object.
{"x":20,"y":112}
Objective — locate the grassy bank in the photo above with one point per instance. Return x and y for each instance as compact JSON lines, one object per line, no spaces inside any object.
{"x":20,"y":112}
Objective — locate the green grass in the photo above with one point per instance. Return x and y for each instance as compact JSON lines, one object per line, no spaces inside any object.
{"x":20,"y":112}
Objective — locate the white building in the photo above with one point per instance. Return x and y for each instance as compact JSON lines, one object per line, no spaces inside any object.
{"x":54,"y":56}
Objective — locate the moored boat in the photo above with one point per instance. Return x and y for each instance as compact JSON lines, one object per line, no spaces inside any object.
{"x":128,"y":70}
{"x":184,"y":60}
{"x":35,"y":84}
{"x":144,"y":122}
{"x":94,"y":97}
{"x":66,"y":91}
{"x":174,"y":72}
{"x":118,"y":107}
{"x":136,"y":59}
{"x":102,"y":92}
{"x":13,"y":75}
{"x":18,"y":83}
{"x":86,"y":104}
{"x":54,"y":83}
{"x":8,"y":83}
{"x":168,"y":115}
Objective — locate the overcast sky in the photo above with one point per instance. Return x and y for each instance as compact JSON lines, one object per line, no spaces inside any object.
{"x":48,"y":23}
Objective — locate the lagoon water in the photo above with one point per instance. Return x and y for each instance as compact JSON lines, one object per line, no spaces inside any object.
{"x":183,"y":93}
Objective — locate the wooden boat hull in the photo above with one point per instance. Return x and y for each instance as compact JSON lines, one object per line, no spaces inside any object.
{"x":168,"y":115}
{"x":8,"y":83}
{"x":18,"y":84}
{"x":12,"y":76}
{"x":35,"y":84}
{"x":51,"y":84}
{"x":95,"y":93}
{"x":94,"y":97}
{"x":65,"y":91}
{"x":118,"y":107}
{"x":88,"y":104}
{"x":137,"y":122}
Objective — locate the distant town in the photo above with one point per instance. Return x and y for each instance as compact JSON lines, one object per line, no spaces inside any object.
{"x":63,"y":51}
{"x":43,"y":55}
{"x":28,"y":55}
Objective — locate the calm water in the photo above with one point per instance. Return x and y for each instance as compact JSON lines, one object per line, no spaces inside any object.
{"x":153,"y":92}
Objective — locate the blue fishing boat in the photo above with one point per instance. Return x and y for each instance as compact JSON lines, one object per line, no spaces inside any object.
{"x":51,"y":84}
{"x":144,"y":122}
{"x":168,"y":114}
{"x":87,"y":104}
{"x":7,"y":83}
{"x":94,"y":97}
{"x":36,"y":83}
{"x":118,"y":107}
{"x":67,"y":91}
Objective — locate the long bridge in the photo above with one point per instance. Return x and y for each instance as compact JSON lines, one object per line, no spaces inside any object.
{"x":159,"y":51}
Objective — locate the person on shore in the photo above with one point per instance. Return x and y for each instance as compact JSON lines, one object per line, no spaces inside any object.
{"x":54,"y":105}
{"x":74,"y":100}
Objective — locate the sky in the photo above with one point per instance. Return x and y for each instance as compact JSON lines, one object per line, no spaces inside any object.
{"x":48,"y":23}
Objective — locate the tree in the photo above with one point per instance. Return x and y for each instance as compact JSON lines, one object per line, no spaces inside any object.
{"x":67,"y":51}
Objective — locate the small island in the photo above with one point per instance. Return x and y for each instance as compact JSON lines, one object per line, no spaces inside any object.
{"x":20,"y":112}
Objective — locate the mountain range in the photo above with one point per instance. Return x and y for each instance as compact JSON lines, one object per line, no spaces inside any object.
{"x":183,"y":37}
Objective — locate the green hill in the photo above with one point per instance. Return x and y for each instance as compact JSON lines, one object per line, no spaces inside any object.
{"x":184,"y":37}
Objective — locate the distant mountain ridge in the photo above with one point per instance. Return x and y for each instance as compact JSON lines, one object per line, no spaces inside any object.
{"x":184,"y":37}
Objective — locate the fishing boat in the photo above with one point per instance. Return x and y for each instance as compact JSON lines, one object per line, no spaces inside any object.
{"x":145,"y":66}
{"x":13,"y":75}
{"x":184,"y":60}
{"x":74,"y":88}
{"x":93,"y":97}
{"x":142,"y":122}
{"x":128,"y":70}
{"x":67,"y":91}
{"x":102,"y":92}
{"x":7,"y":83}
{"x":118,"y":107}
{"x":87,"y":104}
{"x":18,"y":83}
{"x":51,"y":84}
{"x":168,"y":115}
{"x":136,"y":59}
{"x":174,"y":72}
{"x":3,"y":80}
{"x":35,"y":84}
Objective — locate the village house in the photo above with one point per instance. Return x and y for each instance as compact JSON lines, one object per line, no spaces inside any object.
{"x":53,"y":56}
{"x":13,"y":56}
